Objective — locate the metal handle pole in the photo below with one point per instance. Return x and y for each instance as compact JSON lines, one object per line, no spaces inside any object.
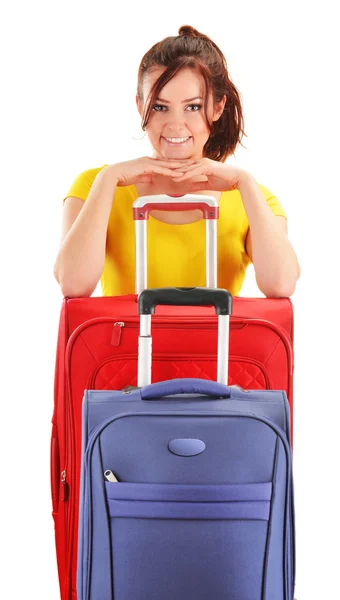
{"x":211,"y":253}
{"x":144,"y":351}
{"x":141,"y":255}
{"x":223,"y":349}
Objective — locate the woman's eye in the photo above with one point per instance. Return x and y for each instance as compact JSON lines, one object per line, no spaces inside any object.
{"x":159,"y":107}
{"x":198,"y":106}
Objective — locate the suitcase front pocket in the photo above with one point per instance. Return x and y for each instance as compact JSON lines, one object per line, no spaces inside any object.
{"x":169,"y":501}
{"x":115,"y":373}
{"x":188,"y":541}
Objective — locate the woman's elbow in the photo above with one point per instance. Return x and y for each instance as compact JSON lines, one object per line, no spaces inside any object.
{"x":280,"y":289}
{"x":71,"y":288}
{"x":74,"y":291}
{"x":284,"y":292}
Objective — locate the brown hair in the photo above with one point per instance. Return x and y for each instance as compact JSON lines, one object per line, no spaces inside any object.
{"x":194,"y":50}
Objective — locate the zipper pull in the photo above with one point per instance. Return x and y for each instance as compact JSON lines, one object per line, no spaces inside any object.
{"x":110,"y":476}
{"x":66,"y":488}
{"x":117,"y":333}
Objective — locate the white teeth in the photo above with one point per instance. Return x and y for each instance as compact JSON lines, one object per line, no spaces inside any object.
{"x":177,"y":140}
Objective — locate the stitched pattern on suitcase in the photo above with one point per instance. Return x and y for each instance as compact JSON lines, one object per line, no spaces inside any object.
{"x":117,"y":374}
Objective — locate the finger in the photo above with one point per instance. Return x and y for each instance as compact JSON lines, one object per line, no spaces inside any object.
{"x":189,"y":174}
{"x":174,"y":169}
{"x":176,"y":163}
{"x":187,"y":168}
{"x":170,"y":172}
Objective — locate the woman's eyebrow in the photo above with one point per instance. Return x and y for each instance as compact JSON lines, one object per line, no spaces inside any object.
{"x":187,"y":100}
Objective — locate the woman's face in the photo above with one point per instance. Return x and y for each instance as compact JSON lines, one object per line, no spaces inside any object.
{"x":176,"y":127}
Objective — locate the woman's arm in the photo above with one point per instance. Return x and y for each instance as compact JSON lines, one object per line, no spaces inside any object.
{"x":276,"y":266}
{"x":80,"y":260}
{"x":275,"y":262}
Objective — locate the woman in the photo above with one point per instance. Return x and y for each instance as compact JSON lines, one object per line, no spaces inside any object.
{"x":192,"y":114}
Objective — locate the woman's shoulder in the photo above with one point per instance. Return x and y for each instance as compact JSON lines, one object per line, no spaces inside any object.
{"x":82,"y":183}
{"x":272,"y":200}
{"x":266,"y":191}
{"x":90,"y":174}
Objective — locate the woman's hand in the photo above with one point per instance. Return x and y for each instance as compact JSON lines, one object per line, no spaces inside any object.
{"x":215,"y":176}
{"x":144,"y":170}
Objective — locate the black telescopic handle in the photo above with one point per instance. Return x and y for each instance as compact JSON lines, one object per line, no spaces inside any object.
{"x":221,"y":299}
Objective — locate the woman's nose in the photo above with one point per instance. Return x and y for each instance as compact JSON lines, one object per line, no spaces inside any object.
{"x":176,"y":120}
{"x":177,"y":126}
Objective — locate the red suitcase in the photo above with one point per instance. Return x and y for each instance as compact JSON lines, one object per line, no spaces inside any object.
{"x":97,"y":349}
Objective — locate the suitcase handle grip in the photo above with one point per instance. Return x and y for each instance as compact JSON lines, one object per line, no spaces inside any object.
{"x":219,"y":298}
{"x":143,"y":205}
{"x":172,"y":387}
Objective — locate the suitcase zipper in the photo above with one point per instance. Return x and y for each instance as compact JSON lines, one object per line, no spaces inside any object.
{"x":65,"y":485}
{"x":134,"y":323}
{"x":110,"y":476}
{"x":117,"y":333}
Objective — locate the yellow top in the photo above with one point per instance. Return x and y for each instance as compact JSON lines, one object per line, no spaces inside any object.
{"x":176,"y":253}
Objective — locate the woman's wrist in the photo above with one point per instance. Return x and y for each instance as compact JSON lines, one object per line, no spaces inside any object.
{"x":246,"y":182}
{"x":103,"y":188}
{"x":110,"y":173}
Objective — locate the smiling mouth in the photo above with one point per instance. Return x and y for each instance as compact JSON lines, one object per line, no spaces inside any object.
{"x":181,"y":141}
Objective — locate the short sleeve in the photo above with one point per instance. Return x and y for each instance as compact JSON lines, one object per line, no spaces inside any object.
{"x":80,"y":188}
{"x":273,"y":202}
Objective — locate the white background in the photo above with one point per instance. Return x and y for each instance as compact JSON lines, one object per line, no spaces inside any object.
{"x":69,"y":74}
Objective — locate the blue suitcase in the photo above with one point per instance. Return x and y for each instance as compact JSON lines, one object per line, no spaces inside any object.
{"x":186,"y":485}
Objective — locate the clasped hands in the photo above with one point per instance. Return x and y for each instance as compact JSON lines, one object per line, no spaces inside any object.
{"x":213,"y":175}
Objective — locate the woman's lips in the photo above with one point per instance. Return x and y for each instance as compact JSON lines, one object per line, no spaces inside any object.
{"x":180,"y":144}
